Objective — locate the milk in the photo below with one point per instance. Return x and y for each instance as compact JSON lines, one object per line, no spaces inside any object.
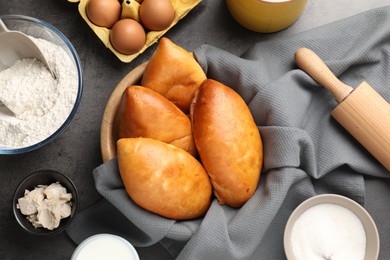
{"x":103,"y":247}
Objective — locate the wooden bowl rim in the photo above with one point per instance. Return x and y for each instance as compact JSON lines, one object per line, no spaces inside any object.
{"x":107,"y":140}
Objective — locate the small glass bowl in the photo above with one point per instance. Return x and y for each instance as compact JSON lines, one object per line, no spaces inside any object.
{"x":40,"y":29}
{"x":44,"y":177}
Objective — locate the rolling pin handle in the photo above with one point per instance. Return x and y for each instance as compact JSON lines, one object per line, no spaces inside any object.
{"x":309,"y":62}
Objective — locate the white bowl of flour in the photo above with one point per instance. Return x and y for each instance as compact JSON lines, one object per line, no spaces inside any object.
{"x":331,"y":227}
{"x":35,"y":108}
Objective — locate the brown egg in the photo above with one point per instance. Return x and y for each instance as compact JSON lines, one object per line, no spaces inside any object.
{"x":127,"y":36}
{"x":103,"y":12}
{"x":156,"y":15}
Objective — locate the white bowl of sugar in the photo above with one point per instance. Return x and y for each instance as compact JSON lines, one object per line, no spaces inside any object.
{"x":331,"y":227}
{"x":36,"y":107}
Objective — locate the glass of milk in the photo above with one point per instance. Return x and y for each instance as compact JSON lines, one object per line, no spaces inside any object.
{"x":105,"y":246}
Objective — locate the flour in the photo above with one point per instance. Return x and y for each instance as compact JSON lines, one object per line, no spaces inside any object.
{"x":328,"y":231}
{"x":40,"y":103}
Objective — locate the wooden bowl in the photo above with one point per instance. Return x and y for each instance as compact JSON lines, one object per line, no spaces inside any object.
{"x":108,"y":130}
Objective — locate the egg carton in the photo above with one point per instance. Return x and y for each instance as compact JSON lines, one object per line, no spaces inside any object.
{"x":181,"y":7}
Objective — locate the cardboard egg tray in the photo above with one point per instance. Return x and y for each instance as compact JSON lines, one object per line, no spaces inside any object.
{"x":182,"y":8}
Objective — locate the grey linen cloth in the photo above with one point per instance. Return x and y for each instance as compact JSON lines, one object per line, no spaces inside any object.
{"x":306,"y":152}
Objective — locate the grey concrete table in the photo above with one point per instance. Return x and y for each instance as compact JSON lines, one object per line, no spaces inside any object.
{"x":77,"y":152}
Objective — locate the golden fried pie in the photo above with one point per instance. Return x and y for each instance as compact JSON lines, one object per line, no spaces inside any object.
{"x":228,"y":142}
{"x":174,"y":73}
{"x":145,"y":113}
{"x":163,"y":179}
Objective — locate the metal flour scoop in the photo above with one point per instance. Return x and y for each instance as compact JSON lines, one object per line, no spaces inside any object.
{"x":15,"y":45}
{"x":361,"y":111}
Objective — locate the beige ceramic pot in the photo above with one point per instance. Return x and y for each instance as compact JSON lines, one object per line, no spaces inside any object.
{"x":266,"y":16}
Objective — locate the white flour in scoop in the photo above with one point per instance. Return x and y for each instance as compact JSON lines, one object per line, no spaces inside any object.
{"x":40,"y":102}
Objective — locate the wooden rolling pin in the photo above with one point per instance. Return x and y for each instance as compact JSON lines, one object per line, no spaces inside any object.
{"x":361,"y":111}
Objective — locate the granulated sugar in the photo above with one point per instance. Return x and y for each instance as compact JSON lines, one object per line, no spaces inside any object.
{"x":40,"y":103}
{"x":328,"y":231}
